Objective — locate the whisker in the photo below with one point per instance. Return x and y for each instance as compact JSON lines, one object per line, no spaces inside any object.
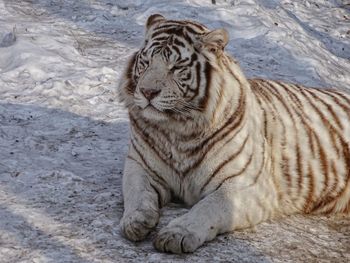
{"x":188,"y":105}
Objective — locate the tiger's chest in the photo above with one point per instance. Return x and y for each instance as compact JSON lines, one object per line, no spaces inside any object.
{"x":194,"y":168}
{"x":178,"y":168}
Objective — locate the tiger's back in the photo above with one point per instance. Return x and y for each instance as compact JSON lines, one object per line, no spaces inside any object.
{"x":308,"y":131}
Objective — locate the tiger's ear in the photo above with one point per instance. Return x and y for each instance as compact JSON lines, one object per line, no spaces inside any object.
{"x":154,"y":19}
{"x":215,"y":41}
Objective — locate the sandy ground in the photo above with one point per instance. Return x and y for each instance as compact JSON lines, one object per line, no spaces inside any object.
{"x":63,"y":136}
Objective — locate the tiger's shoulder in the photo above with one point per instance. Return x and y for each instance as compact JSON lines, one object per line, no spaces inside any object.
{"x":283,"y":86}
{"x":319,"y":109}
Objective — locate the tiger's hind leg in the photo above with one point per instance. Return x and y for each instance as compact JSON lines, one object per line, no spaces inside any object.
{"x":221,"y":211}
{"x":142,"y":202}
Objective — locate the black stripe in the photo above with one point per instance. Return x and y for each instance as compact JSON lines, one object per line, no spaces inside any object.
{"x":178,"y":42}
{"x":207,"y":73}
{"x":149,"y":140}
{"x":130,"y":74}
{"x":176,"y":49}
{"x":322,"y":154}
{"x":198,"y":75}
{"x":346,"y":108}
{"x":232,"y":124}
{"x":147,"y":167}
{"x":300,"y":111}
{"x":269,"y":105}
{"x":238,"y":173}
{"x":198,"y":26}
{"x":279,"y":97}
{"x":194,"y":58}
{"x":300,"y":173}
{"x":328,"y":106}
{"x":230,"y":70}
{"x":309,"y":202}
{"x":226,"y":161}
{"x":222,"y":86}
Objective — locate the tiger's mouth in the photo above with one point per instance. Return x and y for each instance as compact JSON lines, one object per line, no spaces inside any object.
{"x":148,"y":106}
{"x":152,"y":113}
{"x":152,"y":108}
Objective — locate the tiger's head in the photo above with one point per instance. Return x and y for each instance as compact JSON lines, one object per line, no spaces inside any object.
{"x":171,"y":74}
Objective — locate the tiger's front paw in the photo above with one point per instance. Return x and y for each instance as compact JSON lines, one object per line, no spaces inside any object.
{"x":177,"y":239}
{"x":136,"y":225}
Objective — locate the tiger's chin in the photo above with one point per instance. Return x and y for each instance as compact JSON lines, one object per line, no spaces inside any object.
{"x":153,"y":114}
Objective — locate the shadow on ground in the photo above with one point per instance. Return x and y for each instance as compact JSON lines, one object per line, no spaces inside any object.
{"x":60,"y":193}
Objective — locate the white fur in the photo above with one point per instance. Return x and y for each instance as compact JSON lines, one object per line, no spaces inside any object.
{"x":157,"y":169}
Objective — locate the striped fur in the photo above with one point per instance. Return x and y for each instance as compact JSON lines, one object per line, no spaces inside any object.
{"x":239,"y":151}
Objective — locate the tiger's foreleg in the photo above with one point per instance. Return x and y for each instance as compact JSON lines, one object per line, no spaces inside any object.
{"x":221,"y":211}
{"x":142,"y":201}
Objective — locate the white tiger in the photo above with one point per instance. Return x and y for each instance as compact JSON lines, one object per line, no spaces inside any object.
{"x":239,"y":151}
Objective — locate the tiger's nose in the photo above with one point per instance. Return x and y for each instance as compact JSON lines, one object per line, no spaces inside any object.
{"x":150,"y":93}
